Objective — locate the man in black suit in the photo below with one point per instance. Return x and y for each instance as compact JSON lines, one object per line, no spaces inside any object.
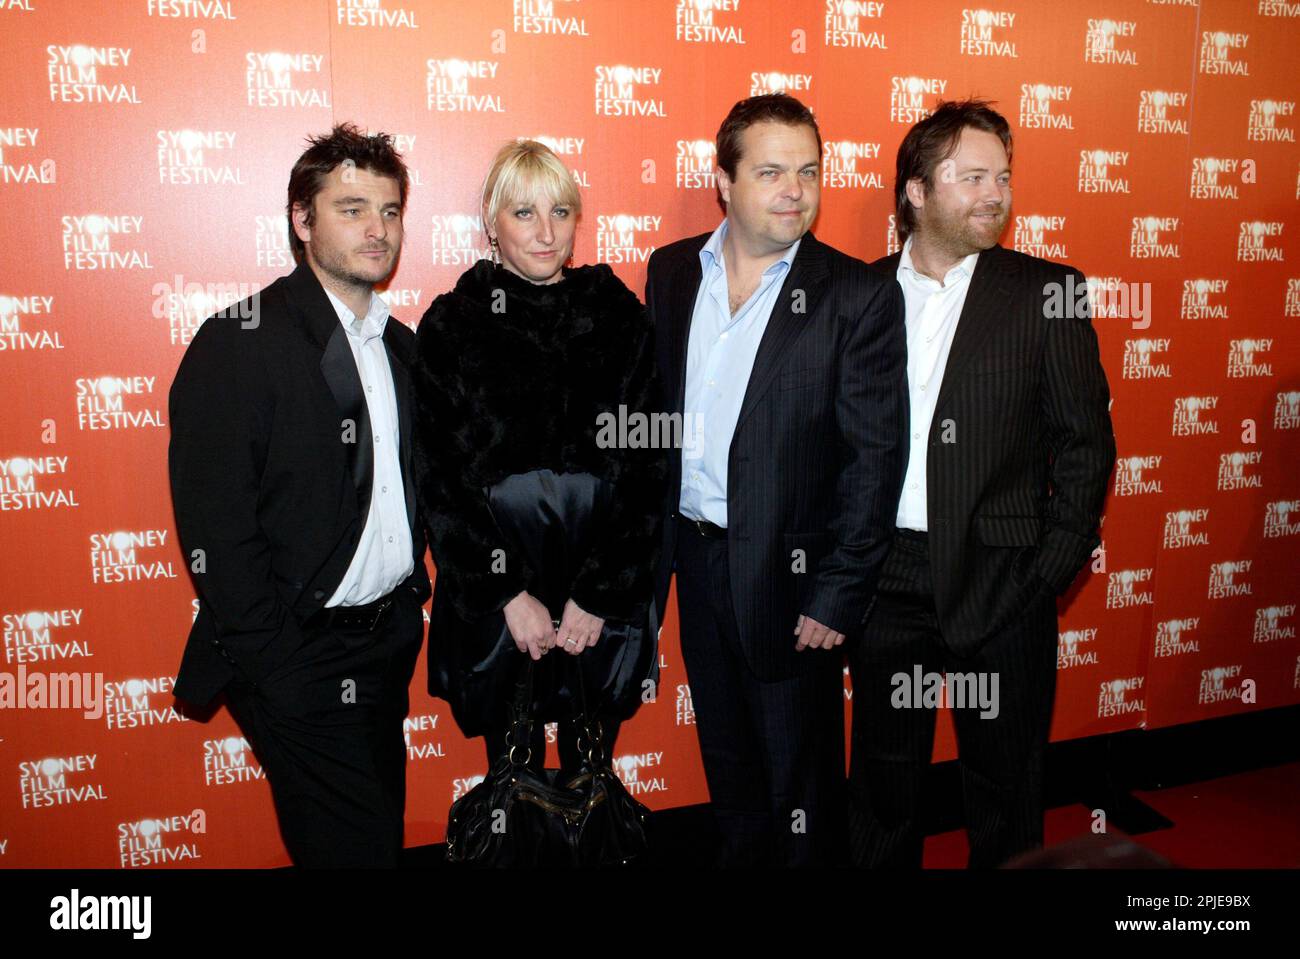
{"x":1010,"y":450}
{"x":291,"y":477}
{"x":785,"y":359}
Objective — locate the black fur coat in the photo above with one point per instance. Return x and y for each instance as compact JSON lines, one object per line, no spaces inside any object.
{"x":509,"y":377}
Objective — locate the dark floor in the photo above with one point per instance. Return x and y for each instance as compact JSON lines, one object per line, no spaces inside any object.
{"x":1222,"y":793}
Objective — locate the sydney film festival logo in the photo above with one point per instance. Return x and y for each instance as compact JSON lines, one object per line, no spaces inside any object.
{"x":1223,"y":53}
{"x":1259,"y":240}
{"x":375,"y":13}
{"x":1134,"y":475}
{"x":41,"y":636}
{"x":988,"y":33}
{"x":1110,"y":41}
{"x":1272,"y":623}
{"x":1074,"y":647}
{"x":1282,"y":518}
{"x":696,"y":163}
{"x":908,"y":96}
{"x":84,"y":74}
{"x":848,"y":23}
{"x":35,"y":482}
{"x":844,"y":165}
{"x":1219,"y":178}
{"x":1126,"y":588}
{"x":274,"y":79}
{"x":1163,"y":111}
{"x":1204,"y":299}
{"x":461,"y":86}
{"x":624,"y":91}
{"x":458,"y":239}
{"x":1174,"y":637}
{"x":1044,"y":106}
{"x":1040,"y":235}
{"x":59,"y":781}
{"x":774,"y":81}
{"x":1229,"y":579}
{"x":103,"y":242}
{"x":18,"y":164}
{"x":1118,"y":697}
{"x":1194,"y":415}
{"x":1185,"y":527}
{"x":1240,"y":470}
{"x":709,"y":21}
{"x":1101,"y":171}
{"x":1141,"y":359}
{"x":1269,"y":121}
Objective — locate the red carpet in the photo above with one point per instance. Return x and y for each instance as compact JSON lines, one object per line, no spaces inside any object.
{"x":1248,"y":820}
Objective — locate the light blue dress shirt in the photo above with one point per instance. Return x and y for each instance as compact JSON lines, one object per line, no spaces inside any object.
{"x":719,"y":358}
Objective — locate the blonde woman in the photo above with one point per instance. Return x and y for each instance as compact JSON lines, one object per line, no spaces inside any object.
{"x":536,"y":515}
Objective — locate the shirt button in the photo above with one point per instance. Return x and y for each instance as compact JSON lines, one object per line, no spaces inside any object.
{"x":370,"y":389}
{"x":377,"y":438}
{"x":922,"y":387}
{"x":916,"y":436}
{"x":390,"y":539}
{"x":383,"y":489}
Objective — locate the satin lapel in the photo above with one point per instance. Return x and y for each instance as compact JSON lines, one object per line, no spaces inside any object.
{"x":397,"y":362}
{"x":339,"y":368}
{"x":985,"y":306}
{"x":685,"y":286}
{"x":807,"y":275}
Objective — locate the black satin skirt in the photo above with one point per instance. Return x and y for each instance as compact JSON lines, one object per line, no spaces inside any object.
{"x":551,"y":519}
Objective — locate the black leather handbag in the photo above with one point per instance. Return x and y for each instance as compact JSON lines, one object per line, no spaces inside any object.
{"x":518,"y":817}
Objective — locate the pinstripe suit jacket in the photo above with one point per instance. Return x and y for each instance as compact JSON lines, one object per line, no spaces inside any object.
{"x":817,"y":457}
{"x":1020,"y":447}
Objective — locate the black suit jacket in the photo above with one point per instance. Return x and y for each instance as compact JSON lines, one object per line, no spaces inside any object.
{"x":1014,"y":489}
{"x":816,"y":460}
{"x":263,"y":481}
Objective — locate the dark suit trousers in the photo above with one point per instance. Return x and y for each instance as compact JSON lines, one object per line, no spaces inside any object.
{"x":327,"y":728}
{"x":1001,"y":758}
{"x":773,"y":752}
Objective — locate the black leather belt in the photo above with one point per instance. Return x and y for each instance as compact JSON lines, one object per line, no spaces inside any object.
{"x":704,"y":527}
{"x":365,"y":617}
{"x":913,"y":535}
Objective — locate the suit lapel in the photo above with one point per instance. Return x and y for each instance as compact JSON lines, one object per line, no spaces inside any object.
{"x":807,"y":275}
{"x":339,"y":369}
{"x":984,"y":308}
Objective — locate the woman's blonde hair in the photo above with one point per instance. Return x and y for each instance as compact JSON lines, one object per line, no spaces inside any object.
{"x":520,"y":170}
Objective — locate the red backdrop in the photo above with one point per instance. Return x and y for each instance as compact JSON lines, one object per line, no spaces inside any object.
{"x":144,"y":152}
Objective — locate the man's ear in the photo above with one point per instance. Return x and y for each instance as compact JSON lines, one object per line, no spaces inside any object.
{"x":916,"y":192}
{"x":298,"y":222}
{"x":724,"y":184}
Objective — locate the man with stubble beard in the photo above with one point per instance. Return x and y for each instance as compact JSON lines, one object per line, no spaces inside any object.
{"x":292,"y":480}
{"x":1010,"y":449}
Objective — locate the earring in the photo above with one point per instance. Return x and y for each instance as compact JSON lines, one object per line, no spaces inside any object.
{"x":496,"y":252}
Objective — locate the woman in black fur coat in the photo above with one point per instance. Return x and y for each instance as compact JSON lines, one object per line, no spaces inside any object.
{"x":543,"y":520}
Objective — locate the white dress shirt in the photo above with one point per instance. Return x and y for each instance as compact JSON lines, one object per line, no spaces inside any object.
{"x":384,"y":552}
{"x":720,"y":356}
{"x":933,"y":310}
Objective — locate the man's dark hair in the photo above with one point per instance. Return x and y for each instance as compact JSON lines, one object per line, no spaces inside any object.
{"x":342,"y":144}
{"x":768,"y":108}
{"x":934,"y":140}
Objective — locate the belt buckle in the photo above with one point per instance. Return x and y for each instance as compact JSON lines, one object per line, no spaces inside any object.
{"x":379,"y":612}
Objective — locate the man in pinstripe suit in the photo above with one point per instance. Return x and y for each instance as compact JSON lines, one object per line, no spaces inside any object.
{"x":786,"y":359}
{"x":1010,"y":449}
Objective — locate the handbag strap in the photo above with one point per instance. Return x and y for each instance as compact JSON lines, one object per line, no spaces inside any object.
{"x":520,"y":734}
